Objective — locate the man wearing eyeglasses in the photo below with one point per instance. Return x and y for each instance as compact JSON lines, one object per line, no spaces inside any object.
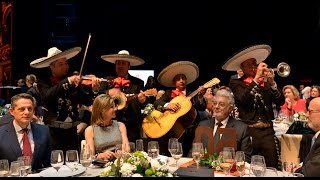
{"x":311,"y":163}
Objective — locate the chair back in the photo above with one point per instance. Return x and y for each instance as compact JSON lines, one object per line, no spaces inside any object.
{"x":205,"y":135}
{"x":290,"y":146}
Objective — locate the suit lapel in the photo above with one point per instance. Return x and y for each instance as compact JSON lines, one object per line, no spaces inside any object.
{"x":36,"y":139}
{"x":13,"y":140}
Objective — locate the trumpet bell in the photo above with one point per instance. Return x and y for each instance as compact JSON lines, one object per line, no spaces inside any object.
{"x":283,"y":69}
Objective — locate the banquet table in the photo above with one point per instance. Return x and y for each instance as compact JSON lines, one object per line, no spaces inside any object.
{"x":183,"y":162}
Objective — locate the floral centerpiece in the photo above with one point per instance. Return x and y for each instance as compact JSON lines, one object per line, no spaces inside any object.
{"x":299,"y":116}
{"x":136,"y":164}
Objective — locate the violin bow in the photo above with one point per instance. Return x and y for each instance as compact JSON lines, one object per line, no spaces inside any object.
{"x":85,"y":53}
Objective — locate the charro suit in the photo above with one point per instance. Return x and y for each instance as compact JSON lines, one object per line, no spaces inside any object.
{"x":255,"y":104}
{"x":186,"y":138}
{"x":10,"y":147}
{"x":243,"y":138}
{"x":311,"y":164}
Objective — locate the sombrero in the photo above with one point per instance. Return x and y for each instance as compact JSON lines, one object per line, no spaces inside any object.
{"x":124,"y":56}
{"x":189,"y":69}
{"x":259,"y":52}
{"x":53,"y":55}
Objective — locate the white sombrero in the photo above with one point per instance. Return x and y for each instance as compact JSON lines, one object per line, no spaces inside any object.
{"x":189,"y":69}
{"x":53,"y":55}
{"x":259,"y":52}
{"x":124,"y":56}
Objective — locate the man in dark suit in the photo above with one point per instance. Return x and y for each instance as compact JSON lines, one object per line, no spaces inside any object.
{"x":179,"y":75}
{"x":5,"y":119}
{"x":223,"y":103}
{"x":238,"y":75}
{"x":123,"y":82}
{"x":254,"y":94}
{"x":12,"y":136}
{"x":311,"y":164}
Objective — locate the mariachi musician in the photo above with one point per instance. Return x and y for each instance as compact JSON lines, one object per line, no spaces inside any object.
{"x":61,"y":96}
{"x":178,"y":75}
{"x":125,"y":84}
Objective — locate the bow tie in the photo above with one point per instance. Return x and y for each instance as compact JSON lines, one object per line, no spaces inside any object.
{"x":248,"y":80}
{"x":121,"y":82}
{"x":176,"y":93}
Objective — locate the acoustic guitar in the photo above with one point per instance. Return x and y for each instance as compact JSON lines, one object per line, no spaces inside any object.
{"x":157,"y":124}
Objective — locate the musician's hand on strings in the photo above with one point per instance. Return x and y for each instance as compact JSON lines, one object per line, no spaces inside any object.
{"x":74,"y":80}
{"x":142,"y":97}
{"x":173,"y":106}
{"x":96,"y":82}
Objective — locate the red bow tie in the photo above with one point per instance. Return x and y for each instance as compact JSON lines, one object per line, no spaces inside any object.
{"x":248,"y":80}
{"x":121,"y":82}
{"x":176,"y":93}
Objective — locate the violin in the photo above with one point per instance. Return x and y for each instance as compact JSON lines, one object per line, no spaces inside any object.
{"x":87,"y":80}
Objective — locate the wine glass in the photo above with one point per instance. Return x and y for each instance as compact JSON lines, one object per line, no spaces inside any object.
{"x":118,"y":150}
{"x":57,"y":159}
{"x":176,"y":152}
{"x":153,"y":149}
{"x":15,"y":169}
{"x":26,"y":163}
{"x":258,"y":165}
{"x":4,"y":168}
{"x":271,"y":172}
{"x":72,"y":159}
{"x":197,"y":152}
{"x":240,"y":162}
{"x":132,"y":146}
{"x":86,"y":157}
{"x":227,"y":161}
{"x":139,"y":145}
{"x":170,"y":141}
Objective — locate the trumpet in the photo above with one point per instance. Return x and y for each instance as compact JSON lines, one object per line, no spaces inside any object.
{"x":283,"y":69}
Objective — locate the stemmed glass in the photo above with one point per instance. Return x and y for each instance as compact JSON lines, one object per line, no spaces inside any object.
{"x":26,"y":163}
{"x":153,"y":149}
{"x":240,"y":162}
{"x":227,"y":161}
{"x":170,"y":141}
{"x":86,"y":157}
{"x":139,"y":145}
{"x":132,"y":146}
{"x":197,"y":152}
{"x":258,"y":165}
{"x":176,"y":151}
{"x":118,"y":150}
{"x":4,"y":168}
{"x":72,"y":159}
{"x":57,"y":159}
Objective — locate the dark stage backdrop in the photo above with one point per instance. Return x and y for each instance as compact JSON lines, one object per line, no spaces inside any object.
{"x":162,"y":32}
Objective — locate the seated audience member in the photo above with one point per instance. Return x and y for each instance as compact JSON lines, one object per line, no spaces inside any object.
{"x":293,"y":103}
{"x":311,"y":164}
{"x":223,"y":103}
{"x":5,"y":119}
{"x":22,"y":137}
{"x":208,"y":112}
{"x":306,"y":92}
{"x":315,"y":92}
{"x":104,"y":134}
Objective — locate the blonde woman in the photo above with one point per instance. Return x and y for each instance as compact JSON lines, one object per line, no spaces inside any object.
{"x":104,"y":134}
{"x":293,"y":103}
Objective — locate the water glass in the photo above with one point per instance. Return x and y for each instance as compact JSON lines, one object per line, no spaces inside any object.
{"x":15,"y":169}
{"x":72,"y":159}
{"x":27,"y":163}
{"x":258,"y":165}
{"x":153,"y":149}
{"x":139,"y":145}
{"x":57,"y":159}
{"x":4,"y":168}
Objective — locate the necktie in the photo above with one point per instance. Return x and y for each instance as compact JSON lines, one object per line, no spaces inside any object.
{"x":219,"y":124}
{"x":26,"y":144}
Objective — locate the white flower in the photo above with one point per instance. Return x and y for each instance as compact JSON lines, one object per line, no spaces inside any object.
{"x":136,"y":175}
{"x":296,"y":115}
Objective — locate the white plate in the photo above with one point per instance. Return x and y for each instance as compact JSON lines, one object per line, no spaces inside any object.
{"x":64,"y":171}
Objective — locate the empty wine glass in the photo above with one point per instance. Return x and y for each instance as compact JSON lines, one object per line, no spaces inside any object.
{"x":240,"y":162}
{"x":86,"y":157}
{"x":132,"y":146}
{"x":57,"y":159}
{"x":153,"y":149}
{"x":197,"y":152}
{"x":176,"y":151}
{"x":72,"y":159}
{"x":139,"y":145}
{"x":27,"y":163}
{"x":258,"y":165}
{"x":170,"y":141}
